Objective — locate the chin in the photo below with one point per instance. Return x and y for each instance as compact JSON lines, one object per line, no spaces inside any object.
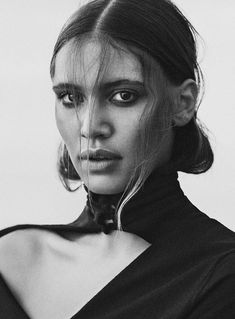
{"x":105,"y":185}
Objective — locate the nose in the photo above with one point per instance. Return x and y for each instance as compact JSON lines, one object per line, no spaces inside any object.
{"x":95,"y":122}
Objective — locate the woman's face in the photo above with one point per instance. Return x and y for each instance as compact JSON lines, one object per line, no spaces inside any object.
{"x":107,"y":113}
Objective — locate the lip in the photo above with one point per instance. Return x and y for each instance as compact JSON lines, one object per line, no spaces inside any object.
{"x":99,"y":155}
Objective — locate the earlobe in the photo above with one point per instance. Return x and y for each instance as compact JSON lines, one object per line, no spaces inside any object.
{"x":185,"y":106}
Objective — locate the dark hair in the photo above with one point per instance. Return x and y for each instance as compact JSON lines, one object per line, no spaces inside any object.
{"x":158,"y":28}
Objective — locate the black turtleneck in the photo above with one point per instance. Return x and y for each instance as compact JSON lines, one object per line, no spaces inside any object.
{"x":187,"y":273}
{"x":159,"y":196}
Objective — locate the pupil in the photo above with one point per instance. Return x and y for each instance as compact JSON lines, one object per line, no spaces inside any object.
{"x":71,"y":97}
{"x":125,"y":95}
{"x":75,"y":98}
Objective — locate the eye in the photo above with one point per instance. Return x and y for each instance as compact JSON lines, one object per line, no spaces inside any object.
{"x":124,"y":97}
{"x":70,"y":100}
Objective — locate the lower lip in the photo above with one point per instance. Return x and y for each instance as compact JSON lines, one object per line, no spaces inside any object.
{"x":100,"y":165}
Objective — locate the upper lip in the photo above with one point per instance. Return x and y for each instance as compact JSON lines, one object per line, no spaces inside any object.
{"x":99,"y":154}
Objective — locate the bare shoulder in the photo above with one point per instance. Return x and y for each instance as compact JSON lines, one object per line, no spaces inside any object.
{"x":22,"y":248}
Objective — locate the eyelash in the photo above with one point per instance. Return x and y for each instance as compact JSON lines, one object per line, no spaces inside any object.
{"x":70,"y":104}
{"x":135,"y":96}
{"x":79,"y":99}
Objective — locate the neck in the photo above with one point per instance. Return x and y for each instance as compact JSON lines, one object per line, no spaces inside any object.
{"x":101,"y":209}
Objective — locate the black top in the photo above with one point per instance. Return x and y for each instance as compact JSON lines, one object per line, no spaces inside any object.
{"x":187,"y":273}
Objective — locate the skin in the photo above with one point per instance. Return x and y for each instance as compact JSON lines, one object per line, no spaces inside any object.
{"x":115,"y":114}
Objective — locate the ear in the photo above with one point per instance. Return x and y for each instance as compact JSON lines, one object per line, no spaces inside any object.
{"x":185,"y":103}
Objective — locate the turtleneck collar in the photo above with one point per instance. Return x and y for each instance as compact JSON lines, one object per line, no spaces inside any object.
{"x":142,"y":214}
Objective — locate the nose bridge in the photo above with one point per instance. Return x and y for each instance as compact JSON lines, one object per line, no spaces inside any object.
{"x":86,"y":116}
{"x":93,"y":120}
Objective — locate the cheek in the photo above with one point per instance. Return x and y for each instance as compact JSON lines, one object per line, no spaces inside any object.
{"x":128,"y":127}
{"x":61,"y":123}
{"x":68,"y":127}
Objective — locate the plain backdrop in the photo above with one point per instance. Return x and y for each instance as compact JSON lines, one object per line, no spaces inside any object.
{"x":30,"y":190}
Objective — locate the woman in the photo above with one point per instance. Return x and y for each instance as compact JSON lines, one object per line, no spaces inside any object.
{"x":127,"y":86}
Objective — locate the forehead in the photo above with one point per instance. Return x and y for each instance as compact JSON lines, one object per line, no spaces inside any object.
{"x":83,"y":63}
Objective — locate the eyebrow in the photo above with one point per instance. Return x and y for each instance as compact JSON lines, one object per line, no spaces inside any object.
{"x":105,"y":86}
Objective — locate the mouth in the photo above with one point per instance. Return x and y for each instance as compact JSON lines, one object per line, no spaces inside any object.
{"x":100,"y":160}
{"x":100,"y":155}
